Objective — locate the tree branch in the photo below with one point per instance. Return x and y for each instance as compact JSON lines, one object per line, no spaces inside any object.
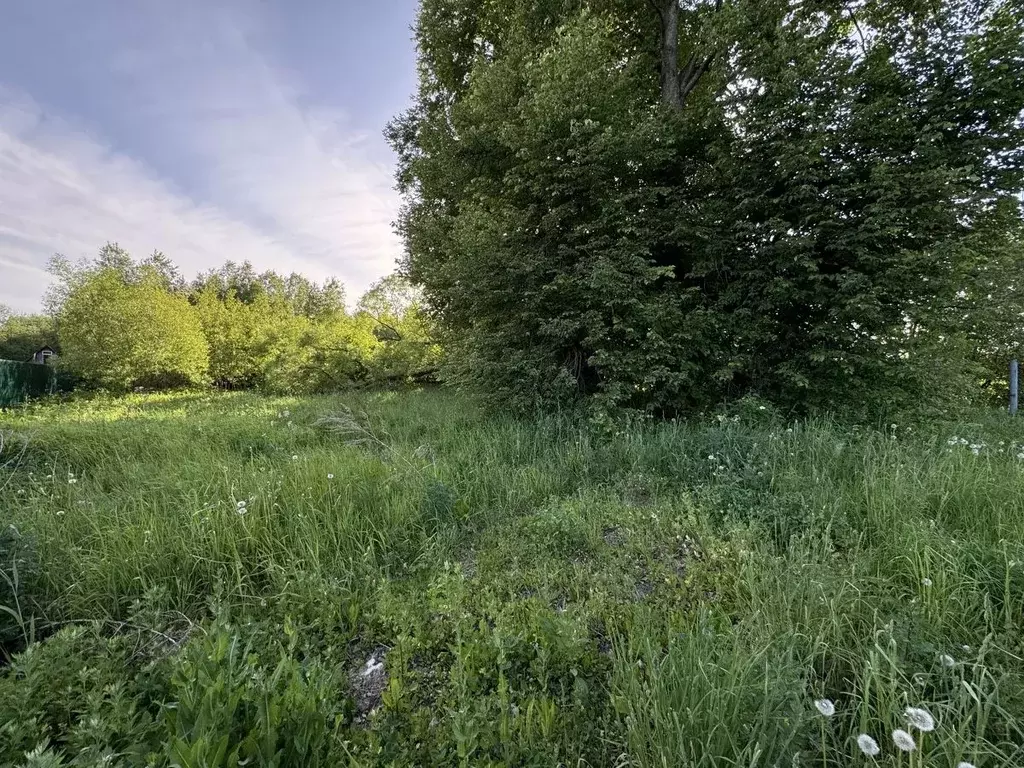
{"x":398,"y":335}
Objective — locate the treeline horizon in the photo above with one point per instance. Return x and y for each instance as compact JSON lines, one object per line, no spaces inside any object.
{"x":119,"y":323}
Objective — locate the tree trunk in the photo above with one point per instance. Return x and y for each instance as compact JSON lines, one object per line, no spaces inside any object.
{"x":676,"y":83}
{"x":670,"y":93}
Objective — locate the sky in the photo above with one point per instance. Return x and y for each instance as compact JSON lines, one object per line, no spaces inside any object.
{"x":206,"y":129}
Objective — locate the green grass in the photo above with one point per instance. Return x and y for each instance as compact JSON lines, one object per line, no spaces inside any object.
{"x":537,"y":592}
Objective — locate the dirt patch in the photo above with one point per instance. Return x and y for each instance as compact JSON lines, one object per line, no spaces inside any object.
{"x":468,"y":565}
{"x":368,"y":684}
{"x":643,"y":589}
{"x":613,"y":536}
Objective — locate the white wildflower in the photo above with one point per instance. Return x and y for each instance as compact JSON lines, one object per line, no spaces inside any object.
{"x":330,"y":477}
{"x":295,"y":457}
{"x":826,"y":707}
{"x":240,"y":504}
{"x":965,"y":764}
{"x":947,"y":661}
{"x":920,"y":719}
{"x":903,"y":740}
{"x":926,"y":582}
{"x":868,"y":745}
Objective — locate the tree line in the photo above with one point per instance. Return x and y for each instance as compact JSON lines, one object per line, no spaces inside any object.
{"x":119,"y":323}
{"x":662,"y":204}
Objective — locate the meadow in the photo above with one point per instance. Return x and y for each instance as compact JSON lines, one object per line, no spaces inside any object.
{"x":399,"y":579}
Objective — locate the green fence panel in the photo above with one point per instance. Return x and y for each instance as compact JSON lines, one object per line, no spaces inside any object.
{"x":19,"y":381}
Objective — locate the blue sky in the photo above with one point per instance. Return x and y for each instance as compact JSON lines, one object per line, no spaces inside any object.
{"x":207,"y":129}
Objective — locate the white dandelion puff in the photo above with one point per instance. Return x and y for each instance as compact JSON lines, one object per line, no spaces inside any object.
{"x":920,"y":719}
{"x":826,"y":707}
{"x":868,"y":745}
{"x":926,"y":582}
{"x":947,"y":661}
{"x":903,"y":740}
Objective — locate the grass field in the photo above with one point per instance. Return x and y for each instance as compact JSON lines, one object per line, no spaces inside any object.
{"x":400,"y":580}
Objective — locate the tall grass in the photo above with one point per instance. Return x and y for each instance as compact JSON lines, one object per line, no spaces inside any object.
{"x":545,"y":591}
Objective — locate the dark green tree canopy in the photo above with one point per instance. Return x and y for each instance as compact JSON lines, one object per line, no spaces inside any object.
{"x":665,"y":204}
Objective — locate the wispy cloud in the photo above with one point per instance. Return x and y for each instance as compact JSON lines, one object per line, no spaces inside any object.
{"x":267,"y":176}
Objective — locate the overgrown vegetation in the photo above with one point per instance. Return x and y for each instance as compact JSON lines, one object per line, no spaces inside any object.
{"x":119,"y":324}
{"x":663,"y":203}
{"x":399,"y":580}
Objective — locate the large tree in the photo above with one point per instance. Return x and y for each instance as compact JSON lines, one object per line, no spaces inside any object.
{"x":664,"y":203}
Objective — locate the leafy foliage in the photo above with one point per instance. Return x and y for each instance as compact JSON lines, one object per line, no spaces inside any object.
{"x":834,"y":176}
{"x":129,"y":323}
{"x":21,"y":336}
{"x":120,"y":327}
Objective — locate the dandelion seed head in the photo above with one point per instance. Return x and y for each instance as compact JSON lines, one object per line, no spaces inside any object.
{"x":826,"y":707}
{"x":903,"y":740}
{"x":868,"y":745}
{"x":920,"y":718}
